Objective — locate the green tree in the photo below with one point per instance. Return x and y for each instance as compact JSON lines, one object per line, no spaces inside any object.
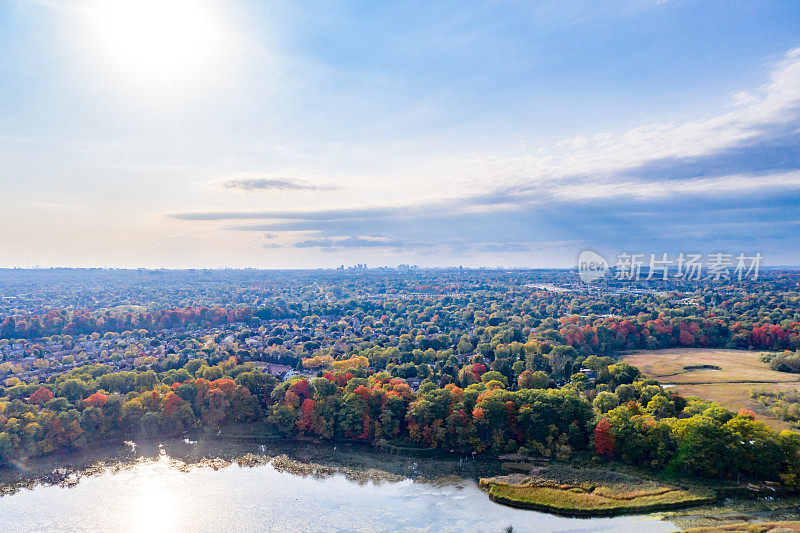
{"x":605,"y":401}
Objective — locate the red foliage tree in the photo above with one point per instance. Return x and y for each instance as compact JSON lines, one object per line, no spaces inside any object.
{"x":171,"y":403}
{"x":362,"y":391}
{"x":306,"y":421}
{"x":41,"y":395}
{"x":224,"y":384}
{"x":478,"y":369}
{"x":603,"y":439}
{"x":98,"y":399}
{"x":301,"y":388}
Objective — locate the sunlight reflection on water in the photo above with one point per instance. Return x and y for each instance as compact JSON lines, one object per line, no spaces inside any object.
{"x":155,"y":496}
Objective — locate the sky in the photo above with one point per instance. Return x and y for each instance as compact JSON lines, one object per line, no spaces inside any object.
{"x":245,"y":133}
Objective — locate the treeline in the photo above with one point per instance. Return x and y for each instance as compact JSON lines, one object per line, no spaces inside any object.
{"x":56,"y":322}
{"x":482,"y":417}
{"x":621,"y":415}
{"x":90,"y":403}
{"x":698,"y":438}
{"x":606,"y":335}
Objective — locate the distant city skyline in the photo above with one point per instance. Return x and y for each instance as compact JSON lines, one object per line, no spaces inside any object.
{"x":202,"y":134}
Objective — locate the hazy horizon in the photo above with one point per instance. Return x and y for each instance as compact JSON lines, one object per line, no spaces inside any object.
{"x":353,"y":267}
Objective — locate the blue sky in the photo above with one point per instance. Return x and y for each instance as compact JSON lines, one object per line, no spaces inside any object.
{"x":205,"y":133}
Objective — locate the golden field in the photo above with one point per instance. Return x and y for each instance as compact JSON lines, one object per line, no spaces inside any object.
{"x":740,"y":373}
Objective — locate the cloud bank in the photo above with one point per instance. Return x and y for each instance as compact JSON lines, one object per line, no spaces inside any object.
{"x":730,"y":180}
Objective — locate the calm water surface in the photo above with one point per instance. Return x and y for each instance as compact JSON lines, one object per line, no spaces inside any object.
{"x":153,"y":495}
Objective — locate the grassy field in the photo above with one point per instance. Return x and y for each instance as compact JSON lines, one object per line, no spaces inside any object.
{"x":739,"y":373}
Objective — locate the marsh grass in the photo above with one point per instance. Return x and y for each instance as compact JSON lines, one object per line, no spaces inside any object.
{"x":760,"y":527}
{"x":589,"y":492}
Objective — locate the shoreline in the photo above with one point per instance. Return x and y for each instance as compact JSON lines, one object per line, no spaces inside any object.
{"x":358,"y":462}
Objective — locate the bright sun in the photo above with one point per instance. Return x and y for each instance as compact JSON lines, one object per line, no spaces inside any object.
{"x":156,"y":41}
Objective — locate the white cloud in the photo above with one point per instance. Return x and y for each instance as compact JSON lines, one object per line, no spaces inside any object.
{"x":638,"y":190}
{"x":773,"y":106}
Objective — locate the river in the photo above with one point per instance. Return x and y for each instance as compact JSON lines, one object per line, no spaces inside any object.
{"x":149,"y":491}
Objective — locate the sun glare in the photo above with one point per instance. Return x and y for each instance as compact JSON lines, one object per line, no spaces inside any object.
{"x":155,"y":507}
{"x":156,"y":41}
